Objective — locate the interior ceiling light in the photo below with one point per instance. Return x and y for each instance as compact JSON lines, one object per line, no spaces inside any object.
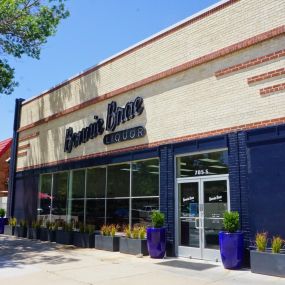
{"x":218,"y":166}
{"x":154,"y":172}
{"x":187,"y":170}
{"x":152,"y":165}
{"x":208,"y":160}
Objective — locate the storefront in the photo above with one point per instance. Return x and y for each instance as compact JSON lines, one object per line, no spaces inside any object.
{"x":190,"y":121}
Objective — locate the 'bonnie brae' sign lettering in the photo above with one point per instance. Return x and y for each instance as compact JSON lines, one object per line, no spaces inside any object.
{"x":115,"y":116}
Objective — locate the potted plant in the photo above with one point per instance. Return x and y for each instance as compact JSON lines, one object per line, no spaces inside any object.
{"x":21,"y":229}
{"x":134,"y":241}
{"x":44,"y":230}
{"x":231,"y":242}
{"x":268,"y":262}
{"x":107,"y":240}
{"x":85,"y":237}
{"x":2,"y":220}
{"x":35,"y":229}
{"x":64,"y":234}
{"x":156,"y":236}
{"x":51,"y":230}
{"x":10,"y":228}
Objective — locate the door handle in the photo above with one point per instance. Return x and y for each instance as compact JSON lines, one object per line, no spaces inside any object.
{"x":197,"y":227}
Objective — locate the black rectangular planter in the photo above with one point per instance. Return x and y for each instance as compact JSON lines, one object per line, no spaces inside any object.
{"x":20,"y":231}
{"x":29,"y":233}
{"x":267,"y":263}
{"x":44,"y":234}
{"x":9,"y":230}
{"x":63,"y":237}
{"x":36,"y":233}
{"x":83,"y":240}
{"x":107,"y":242}
{"x":51,"y":236}
{"x":133,"y":246}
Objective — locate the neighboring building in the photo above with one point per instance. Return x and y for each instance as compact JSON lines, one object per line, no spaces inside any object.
{"x":5,"y":148}
{"x":191,"y":121}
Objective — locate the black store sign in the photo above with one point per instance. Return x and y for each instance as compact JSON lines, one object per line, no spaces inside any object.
{"x":115,"y":116}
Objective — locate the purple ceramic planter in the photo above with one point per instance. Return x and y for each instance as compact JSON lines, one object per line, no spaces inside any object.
{"x":156,"y":242}
{"x":232,"y":249}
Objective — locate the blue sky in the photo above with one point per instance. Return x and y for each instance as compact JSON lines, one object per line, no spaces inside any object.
{"x":95,"y":30}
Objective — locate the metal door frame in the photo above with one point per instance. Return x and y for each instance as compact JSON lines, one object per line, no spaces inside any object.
{"x":202,"y":252}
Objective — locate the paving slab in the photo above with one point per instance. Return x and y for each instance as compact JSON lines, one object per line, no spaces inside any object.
{"x":24,"y":261}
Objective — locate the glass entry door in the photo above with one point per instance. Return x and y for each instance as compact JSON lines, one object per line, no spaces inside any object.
{"x":201,"y":205}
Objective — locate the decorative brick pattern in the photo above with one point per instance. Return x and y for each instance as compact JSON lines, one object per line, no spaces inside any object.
{"x":272,"y":89}
{"x":21,"y":154}
{"x":267,"y":75}
{"x":250,"y":63}
{"x":190,"y":64}
{"x":142,"y":45}
{"x":24,"y":146}
{"x":162,"y":142}
{"x":28,"y":137}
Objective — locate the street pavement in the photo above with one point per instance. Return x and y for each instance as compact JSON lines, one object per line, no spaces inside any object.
{"x":27,"y":262}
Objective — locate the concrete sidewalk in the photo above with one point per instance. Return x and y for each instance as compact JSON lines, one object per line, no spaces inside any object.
{"x":29,"y":262}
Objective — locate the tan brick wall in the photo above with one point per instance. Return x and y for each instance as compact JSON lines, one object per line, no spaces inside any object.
{"x":188,"y":103}
{"x":244,"y":19}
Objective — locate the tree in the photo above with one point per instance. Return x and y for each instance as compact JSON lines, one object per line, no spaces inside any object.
{"x":25,"y":26}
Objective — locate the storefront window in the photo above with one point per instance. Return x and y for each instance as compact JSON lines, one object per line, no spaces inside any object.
{"x":145,"y":175}
{"x":118,"y":181}
{"x":102,"y":194}
{"x":59,"y":196}
{"x":76,"y":195}
{"x":95,"y":212}
{"x":44,"y":197}
{"x":203,"y":164}
{"x":96,"y":182}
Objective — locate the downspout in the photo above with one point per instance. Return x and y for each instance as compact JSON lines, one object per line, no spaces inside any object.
{"x":13,"y":158}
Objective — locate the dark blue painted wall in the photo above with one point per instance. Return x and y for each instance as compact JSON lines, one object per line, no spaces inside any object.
{"x":256,"y":172}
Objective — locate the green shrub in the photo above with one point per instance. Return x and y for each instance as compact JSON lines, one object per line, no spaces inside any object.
{"x":90,"y":229}
{"x":261,"y":241}
{"x":23,"y":223}
{"x":277,"y":243}
{"x":142,"y":232}
{"x":157,"y":219}
{"x":12,"y":222}
{"x":136,"y":232}
{"x":231,"y":221}
{"x":2,"y":213}
{"x":128,"y":231}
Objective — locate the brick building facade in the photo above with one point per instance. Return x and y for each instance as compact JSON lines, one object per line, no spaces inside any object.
{"x":210,"y":121}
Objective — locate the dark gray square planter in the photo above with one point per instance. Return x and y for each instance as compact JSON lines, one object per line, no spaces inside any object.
{"x":36,"y":233}
{"x":63,"y":237}
{"x":107,"y":242}
{"x":133,"y":246}
{"x":44,"y":234}
{"x":30,"y":233}
{"x":83,"y":240}
{"x":9,"y":230}
{"x":267,"y":263}
{"x":20,"y":231}
{"x":51,"y":236}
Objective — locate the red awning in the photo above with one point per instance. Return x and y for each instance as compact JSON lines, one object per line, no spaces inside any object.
{"x":4,"y":146}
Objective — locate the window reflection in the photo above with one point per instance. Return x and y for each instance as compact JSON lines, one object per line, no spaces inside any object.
{"x":102,"y":194}
{"x":145,"y":178}
{"x":203,"y":164}
{"x":44,"y":196}
{"x":59,"y":200}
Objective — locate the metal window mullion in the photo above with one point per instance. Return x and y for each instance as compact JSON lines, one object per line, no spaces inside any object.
{"x":51,"y":200}
{"x":69,"y":195}
{"x":84,"y":203}
{"x":130,"y":197}
{"x":106,"y":189}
